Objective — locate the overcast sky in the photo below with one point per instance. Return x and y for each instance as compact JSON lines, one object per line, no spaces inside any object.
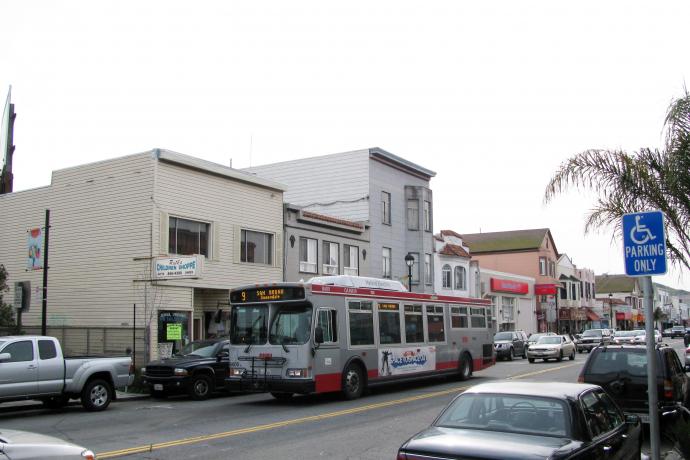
{"x":492,"y":95}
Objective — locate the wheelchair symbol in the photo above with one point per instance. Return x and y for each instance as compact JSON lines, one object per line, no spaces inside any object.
{"x":640,"y":234}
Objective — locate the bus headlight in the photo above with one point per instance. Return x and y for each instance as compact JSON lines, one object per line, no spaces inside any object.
{"x":298,"y":372}
{"x":235,"y":372}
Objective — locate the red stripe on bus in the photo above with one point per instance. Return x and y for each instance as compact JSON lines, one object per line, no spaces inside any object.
{"x":373,"y":373}
{"x":339,"y":290}
{"x":328,"y":382}
{"x":446,"y":365}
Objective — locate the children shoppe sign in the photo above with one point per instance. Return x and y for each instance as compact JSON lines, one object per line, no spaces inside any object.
{"x":177,"y":267}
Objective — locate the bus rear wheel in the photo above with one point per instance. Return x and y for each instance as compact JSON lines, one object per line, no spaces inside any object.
{"x":353,"y":382}
{"x":465,"y":367}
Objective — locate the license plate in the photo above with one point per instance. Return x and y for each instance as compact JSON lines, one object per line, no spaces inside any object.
{"x":158,"y":387}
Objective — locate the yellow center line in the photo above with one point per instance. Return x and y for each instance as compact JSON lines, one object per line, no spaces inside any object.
{"x":543,"y":371}
{"x":284,"y":423}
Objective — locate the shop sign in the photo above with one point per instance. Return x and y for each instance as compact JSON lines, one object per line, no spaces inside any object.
{"x":177,"y":267}
{"x":174,"y":331}
{"x":564,"y":313}
{"x":516,"y":287}
{"x":544,"y":289}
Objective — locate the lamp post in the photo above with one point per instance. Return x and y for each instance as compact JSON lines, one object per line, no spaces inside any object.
{"x":610,"y":310}
{"x":409,"y":261}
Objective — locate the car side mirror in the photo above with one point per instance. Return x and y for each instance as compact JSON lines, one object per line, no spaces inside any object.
{"x":318,"y":335}
{"x":687,"y":367}
{"x":222,"y":355}
{"x":5,"y":357}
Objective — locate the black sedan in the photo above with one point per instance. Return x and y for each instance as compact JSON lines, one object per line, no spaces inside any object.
{"x":517,"y":420}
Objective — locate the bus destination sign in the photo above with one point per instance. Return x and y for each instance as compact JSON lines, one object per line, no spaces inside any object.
{"x":267,"y":294}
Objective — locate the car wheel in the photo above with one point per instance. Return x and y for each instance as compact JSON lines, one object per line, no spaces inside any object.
{"x":579,"y":350}
{"x":560,"y":356}
{"x":572,"y":356}
{"x":531,"y":360}
{"x":96,"y":395}
{"x":465,"y":367}
{"x":282,"y":396}
{"x":511,"y":354}
{"x":353,"y":382}
{"x":546,"y":360}
{"x":524,"y":353}
{"x":201,"y":387}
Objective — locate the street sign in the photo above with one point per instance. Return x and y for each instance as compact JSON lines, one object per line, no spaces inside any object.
{"x":644,"y":243}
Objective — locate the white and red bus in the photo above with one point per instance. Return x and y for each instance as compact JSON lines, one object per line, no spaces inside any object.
{"x":344,"y":333}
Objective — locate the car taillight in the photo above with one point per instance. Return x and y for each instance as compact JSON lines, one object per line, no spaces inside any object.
{"x":581,"y":378}
{"x":668,"y":389}
{"x":401,"y":456}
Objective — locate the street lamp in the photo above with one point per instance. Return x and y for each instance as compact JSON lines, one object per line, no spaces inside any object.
{"x":409,"y":261}
{"x":610,"y":310}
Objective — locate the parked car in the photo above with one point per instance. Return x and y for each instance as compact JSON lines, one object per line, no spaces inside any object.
{"x":23,"y":445}
{"x":537,"y":420}
{"x":686,"y":337}
{"x":641,"y":337}
{"x":687,"y":359}
{"x":33,"y":367}
{"x":621,"y":337}
{"x":667,"y":332}
{"x":199,"y":369}
{"x":509,"y":344}
{"x":552,"y":347}
{"x":593,"y":338}
{"x":533,"y":338}
{"x":677,"y":331}
{"x":622,"y":371}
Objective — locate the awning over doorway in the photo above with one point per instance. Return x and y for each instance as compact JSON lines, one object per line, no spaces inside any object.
{"x":592,"y":316}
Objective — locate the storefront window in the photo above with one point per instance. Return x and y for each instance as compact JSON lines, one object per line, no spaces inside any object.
{"x":173,"y":332}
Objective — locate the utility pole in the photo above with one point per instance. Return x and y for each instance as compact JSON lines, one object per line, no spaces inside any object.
{"x":44,"y":302}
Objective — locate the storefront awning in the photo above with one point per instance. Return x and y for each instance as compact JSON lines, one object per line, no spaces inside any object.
{"x":592,"y":316}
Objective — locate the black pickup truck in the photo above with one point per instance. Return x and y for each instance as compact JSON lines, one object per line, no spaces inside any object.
{"x":198,"y":370}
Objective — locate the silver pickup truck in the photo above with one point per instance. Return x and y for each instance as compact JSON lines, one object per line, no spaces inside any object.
{"x":33,"y":367}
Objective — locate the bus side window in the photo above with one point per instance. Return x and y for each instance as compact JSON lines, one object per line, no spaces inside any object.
{"x":434,"y":323}
{"x":327,"y":322}
{"x":361,"y":319}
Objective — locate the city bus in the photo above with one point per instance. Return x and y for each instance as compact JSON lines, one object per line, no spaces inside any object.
{"x":345,"y":333}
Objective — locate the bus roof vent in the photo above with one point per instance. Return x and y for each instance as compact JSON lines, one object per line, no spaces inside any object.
{"x":359,"y":282}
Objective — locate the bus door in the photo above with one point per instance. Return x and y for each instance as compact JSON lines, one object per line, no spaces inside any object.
{"x":327,"y":365}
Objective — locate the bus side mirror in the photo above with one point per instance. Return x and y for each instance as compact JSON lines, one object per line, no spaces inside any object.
{"x":5,"y":357}
{"x":318,"y":335}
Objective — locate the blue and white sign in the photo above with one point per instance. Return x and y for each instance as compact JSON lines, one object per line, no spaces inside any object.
{"x":177,"y":267}
{"x":644,"y":243}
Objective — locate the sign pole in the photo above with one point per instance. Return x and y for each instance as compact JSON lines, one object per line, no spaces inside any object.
{"x":652,"y":394}
{"x":44,"y":303}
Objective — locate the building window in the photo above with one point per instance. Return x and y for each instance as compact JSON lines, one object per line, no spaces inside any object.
{"x":386,"y":208}
{"x":412,"y":215}
{"x":460,"y":278}
{"x":386,"y":262}
{"x":414,"y":324}
{"x":573,"y":291}
{"x":331,"y":262}
{"x":187,"y":237}
{"x":351,"y":256}
{"x":427,"y":216}
{"x":256,"y":247}
{"x":508,"y":307}
{"x":389,"y":323}
{"x":564,"y":292}
{"x":427,"y":268}
{"x":361,"y":316}
{"x":542,"y":266}
{"x":458,"y":317}
{"x":445,"y":277}
{"x":434,"y":323}
{"x":415,"y":267}
{"x":552,"y":269}
{"x":307,"y":255}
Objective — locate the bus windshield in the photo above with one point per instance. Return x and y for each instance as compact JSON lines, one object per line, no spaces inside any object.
{"x":291,"y":325}
{"x":249,"y":324}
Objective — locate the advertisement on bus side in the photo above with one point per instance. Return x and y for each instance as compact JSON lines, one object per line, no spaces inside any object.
{"x":397,"y":361}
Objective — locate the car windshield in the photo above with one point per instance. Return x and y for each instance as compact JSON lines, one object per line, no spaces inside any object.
{"x":507,"y":413}
{"x":549,"y":339}
{"x":291,"y":325}
{"x":503,"y":336}
{"x":612,"y":361}
{"x":1,"y":343}
{"x":626,"y":333}
{"x":678,"y":328}
{"x":202,"y":348}
{"x":536,"y":337}
{"x":249,"y":324}
{"x":592,"y":333}
{"x":639,"y":333}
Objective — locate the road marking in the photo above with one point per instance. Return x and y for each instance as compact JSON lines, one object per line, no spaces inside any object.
{"x":543,"y":371}
{"x":297,"y":421}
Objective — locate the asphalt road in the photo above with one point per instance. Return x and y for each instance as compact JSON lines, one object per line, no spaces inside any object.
{"x":260,"y":427}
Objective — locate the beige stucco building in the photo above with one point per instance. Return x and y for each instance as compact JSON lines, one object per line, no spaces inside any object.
{"x":156,"y":238}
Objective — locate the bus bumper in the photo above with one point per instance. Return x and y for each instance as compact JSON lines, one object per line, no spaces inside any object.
{"x":273,"y":385}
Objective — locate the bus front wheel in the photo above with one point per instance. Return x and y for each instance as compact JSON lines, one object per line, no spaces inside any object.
{"x":353,"y":382}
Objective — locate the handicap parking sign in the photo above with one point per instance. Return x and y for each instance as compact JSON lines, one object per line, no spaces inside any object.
{"x":644,"y":243}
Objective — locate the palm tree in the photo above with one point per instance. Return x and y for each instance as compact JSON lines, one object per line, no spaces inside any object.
{"x":639,"y":181}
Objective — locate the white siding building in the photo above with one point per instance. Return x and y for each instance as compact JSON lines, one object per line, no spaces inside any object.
{"x":113,"y":223}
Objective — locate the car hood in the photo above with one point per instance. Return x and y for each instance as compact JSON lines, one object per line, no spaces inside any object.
{"x":547,"y":346}
{"x":19,"y":444}
{"x":451,"y":442}
{"x":179,"y":361}
{"x":502,"y":342}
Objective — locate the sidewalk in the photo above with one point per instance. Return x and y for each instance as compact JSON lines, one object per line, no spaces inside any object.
{"x":126,"y":396}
